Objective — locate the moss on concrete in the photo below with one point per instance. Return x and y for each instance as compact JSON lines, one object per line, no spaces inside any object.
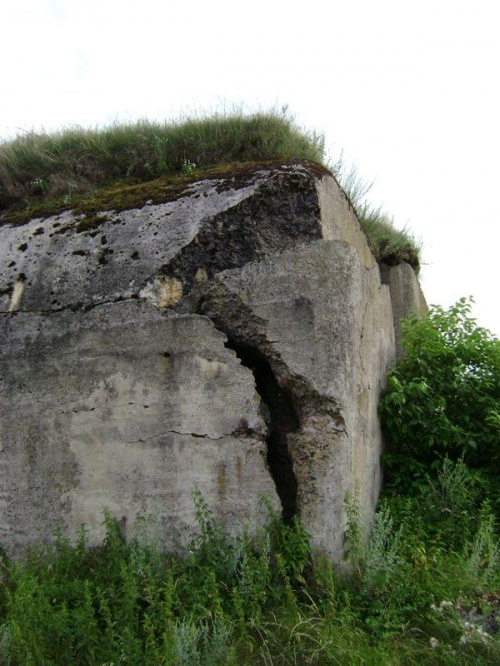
{"x":392,"y":247}
{"x":126,"y":195}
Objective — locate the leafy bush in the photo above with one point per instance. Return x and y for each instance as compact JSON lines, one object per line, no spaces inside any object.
{"x":443,"y":400}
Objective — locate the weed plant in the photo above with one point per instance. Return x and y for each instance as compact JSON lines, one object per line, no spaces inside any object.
{"x":400,"y":598}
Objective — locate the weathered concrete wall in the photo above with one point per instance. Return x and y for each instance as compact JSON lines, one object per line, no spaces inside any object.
{"x":233,"y":340}
{"x":407,"y":297}
{"x":325,"y":323}
{"x":156,"y":251}
{"x":129,"y":409}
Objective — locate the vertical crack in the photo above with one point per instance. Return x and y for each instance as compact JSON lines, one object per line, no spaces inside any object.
{"x":281,"y":419}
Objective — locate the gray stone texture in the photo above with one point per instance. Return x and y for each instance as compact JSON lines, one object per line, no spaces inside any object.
{"x":128,"y":409}
{"x":234,"y":341}
{"x":407,"y":297}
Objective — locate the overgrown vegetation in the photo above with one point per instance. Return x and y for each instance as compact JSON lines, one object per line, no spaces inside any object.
{"x":42,"y":173}
{"x":443,"y":400}
{"x":77,"y":159}
{"x":404,"y":598}
{"x":389,"y":244}
{"x":423,"y":587}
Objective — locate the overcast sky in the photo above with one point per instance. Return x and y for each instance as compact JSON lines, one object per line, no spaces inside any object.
{"x":409,"y":90}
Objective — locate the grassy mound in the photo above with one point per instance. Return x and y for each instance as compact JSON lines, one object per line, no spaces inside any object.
{"x":77,"y":159}
{"x":43,"y":173}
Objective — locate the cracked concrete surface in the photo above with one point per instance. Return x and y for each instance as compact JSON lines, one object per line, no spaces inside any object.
{"x":120,"y":388}
{"x":128,"y":409}
{"x":132,"y":254}
{"x":334,"y":321}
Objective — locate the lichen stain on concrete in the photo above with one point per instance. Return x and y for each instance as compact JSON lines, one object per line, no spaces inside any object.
{"x":201,"y":275}
{"x":168,"y":292}
{"x":221,"y":481}
{"x":211,"y":368}
{"x":16,"y":296}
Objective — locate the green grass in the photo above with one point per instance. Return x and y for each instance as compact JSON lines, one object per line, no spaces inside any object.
{"x":389,"y":244}
{"x":78,"y":159}
{"x":401,"y":599}
{"x":45,"y":172}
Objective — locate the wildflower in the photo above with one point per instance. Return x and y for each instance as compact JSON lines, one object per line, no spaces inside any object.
{"x":434,"y":642}
{"x":446,"y":604}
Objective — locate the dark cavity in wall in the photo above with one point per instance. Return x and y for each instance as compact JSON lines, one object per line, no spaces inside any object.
{"x":281,"y":419}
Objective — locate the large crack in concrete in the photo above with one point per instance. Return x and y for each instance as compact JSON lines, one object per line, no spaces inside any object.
{"x":302,"y":423}
{"x":281,"y":419}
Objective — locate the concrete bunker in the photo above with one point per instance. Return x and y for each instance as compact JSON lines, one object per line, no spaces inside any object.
{"x":278,"y":264}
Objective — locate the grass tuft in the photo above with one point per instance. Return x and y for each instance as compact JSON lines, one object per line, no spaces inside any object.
{"x":388,"y":244}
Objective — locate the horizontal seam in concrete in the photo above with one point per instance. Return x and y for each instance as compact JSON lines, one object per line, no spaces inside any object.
{"x":75,"y":307}
{"x":176,"y":432}
{"x":92,"y":409}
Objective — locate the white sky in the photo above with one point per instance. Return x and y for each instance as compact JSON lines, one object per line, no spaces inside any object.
{"x":408,"y":89}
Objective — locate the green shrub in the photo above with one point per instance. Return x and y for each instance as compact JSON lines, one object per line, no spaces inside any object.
{"x":443,"y":400}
